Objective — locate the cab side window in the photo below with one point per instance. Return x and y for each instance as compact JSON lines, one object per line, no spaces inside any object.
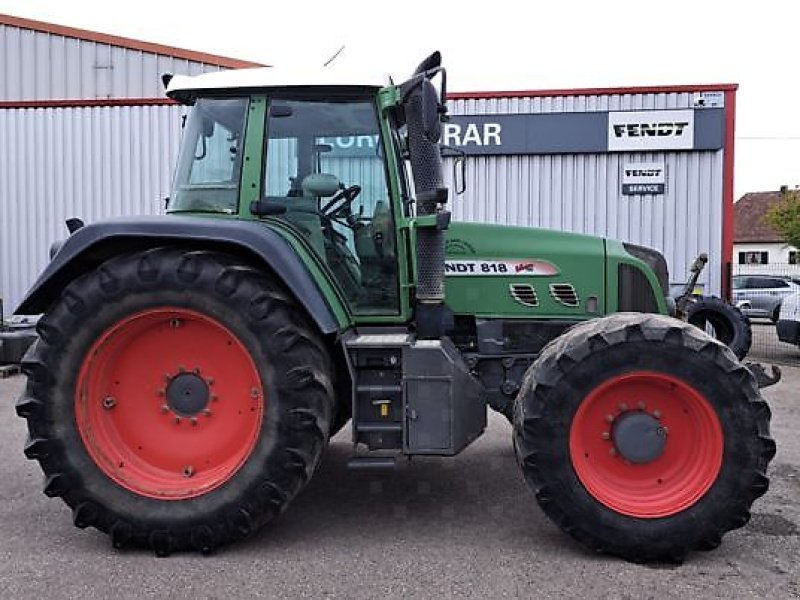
{"x":325,"y":164}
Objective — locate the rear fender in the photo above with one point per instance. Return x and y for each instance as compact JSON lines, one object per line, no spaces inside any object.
{"x":93,"y":244}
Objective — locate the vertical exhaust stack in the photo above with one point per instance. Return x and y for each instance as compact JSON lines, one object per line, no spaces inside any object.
{"x":423,"y":116}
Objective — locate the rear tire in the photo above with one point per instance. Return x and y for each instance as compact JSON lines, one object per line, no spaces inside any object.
{"x":731,"y":326}
{"x":699,"y":480}
{"x":203,"y":439}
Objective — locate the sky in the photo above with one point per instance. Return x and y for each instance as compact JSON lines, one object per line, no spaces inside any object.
{"x":504,"y":45}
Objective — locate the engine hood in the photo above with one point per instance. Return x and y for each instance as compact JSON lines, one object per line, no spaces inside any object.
{"x":517,"y":272}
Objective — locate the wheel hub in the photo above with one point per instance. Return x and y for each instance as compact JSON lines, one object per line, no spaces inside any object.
{"x":646,"y":444}
{"x":638,"y":437}
{"x":187,"y":394}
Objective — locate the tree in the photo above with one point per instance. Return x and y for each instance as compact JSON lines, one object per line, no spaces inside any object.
{"x":784,"y":216}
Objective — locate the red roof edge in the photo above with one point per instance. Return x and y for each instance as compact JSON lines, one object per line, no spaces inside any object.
{"x":86,"y":103}
{"x":128,"y":43}
{"x":656,"y":89}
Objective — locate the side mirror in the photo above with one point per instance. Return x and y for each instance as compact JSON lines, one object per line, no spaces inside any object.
{"x":459,"y":167}
{"x":460,"y":175}
{"x":207,"y":126}
{"x":432,"y":124}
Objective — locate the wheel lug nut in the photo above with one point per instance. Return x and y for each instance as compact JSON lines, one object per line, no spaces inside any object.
{"x":214,"y":397}
{"x":181,"y":369}
{"x":640,"y":405}
{"x":196,"y":370}
{"x":109,"y":402}
{"x":605,"y":435}
{"x":175,"y":323}
{"x":254,"y":393}
{"x":609,"y":418}
{"x":612,"y":451}
{"x":193,"y":421}
{"x":207,"y":412}
{"x":177,"y":420}
{"x":210,"y":381}
{"x":167,"y":377}
{"x":657,"y":414}
{"x":164,"y":408}
{"x":188,"y":471}
{"x":160,"y":393}
{"x":623,"y":407}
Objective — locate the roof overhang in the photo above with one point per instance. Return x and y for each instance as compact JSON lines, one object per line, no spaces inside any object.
{"x":181,"y":86}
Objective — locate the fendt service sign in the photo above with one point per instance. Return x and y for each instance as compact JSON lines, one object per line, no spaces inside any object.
{"x":643,"y":178}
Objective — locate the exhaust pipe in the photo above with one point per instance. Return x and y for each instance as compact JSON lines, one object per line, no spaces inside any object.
{"x":423,"y":115}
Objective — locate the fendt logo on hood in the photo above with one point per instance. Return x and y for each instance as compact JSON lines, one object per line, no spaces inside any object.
{"x":651,"y":130}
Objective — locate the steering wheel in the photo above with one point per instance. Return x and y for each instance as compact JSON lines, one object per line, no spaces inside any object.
{"x":338,"y":207}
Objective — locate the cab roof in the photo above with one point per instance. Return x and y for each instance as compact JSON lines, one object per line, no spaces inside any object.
{"x":271,"y":77}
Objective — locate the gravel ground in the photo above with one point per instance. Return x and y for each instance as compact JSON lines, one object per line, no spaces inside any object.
{"x":466,"y":526}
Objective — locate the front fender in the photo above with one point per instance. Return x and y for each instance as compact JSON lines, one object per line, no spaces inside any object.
{"x":93,"y":244}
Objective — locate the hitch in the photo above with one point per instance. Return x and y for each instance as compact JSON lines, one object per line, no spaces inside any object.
{"x":760,"y":373}
{"x":685,"y":298}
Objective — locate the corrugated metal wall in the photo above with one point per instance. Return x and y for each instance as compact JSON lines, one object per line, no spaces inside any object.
{"x":582,"y":192}
{"x":92,"y":163}
{"x":42,"y":66}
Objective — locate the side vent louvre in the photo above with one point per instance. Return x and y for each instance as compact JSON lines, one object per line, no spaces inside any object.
{"x":565,"y":294}
{"x":524,"y":293}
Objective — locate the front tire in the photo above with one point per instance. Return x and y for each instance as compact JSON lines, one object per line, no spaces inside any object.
{"x":642,"y":437}
{"x":176,"y":400}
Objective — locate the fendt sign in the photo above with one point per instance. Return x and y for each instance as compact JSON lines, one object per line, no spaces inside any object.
{"x":586,"y":132}
{"x":651,"y":130}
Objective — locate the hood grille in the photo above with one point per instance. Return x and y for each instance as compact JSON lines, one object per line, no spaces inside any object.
{"x":524,"y":293}
{"x":565,"y":294}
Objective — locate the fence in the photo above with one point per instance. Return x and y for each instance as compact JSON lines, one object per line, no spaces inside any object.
{"x":760,"y":291}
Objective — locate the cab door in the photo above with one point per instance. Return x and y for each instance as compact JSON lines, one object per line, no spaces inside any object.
{"x":326,"y":165}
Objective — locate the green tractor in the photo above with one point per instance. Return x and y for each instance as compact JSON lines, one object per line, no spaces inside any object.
{"x":190,"y":369}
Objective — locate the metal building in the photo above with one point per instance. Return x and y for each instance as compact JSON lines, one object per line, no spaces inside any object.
{"x":652,"y":166}
{"x":85,"y":130}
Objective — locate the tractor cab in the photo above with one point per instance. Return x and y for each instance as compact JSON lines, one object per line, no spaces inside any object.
{"x":319,"y":162}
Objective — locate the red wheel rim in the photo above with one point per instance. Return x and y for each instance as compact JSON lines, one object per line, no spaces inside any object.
{"x":672,"y":482}
{"x":169,"y":403}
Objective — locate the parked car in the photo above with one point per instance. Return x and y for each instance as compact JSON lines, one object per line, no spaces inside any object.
{"x":789,"y":322}
{"x":762,"y":295}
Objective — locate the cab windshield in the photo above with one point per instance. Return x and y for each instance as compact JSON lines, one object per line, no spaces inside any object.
{"x":210,"y":160}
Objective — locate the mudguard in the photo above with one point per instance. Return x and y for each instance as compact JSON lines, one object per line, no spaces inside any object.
{"x":92,"y":244}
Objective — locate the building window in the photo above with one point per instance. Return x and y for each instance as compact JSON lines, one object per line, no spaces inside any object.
{"x":792,"y":257}
{"x":755,"y":258}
